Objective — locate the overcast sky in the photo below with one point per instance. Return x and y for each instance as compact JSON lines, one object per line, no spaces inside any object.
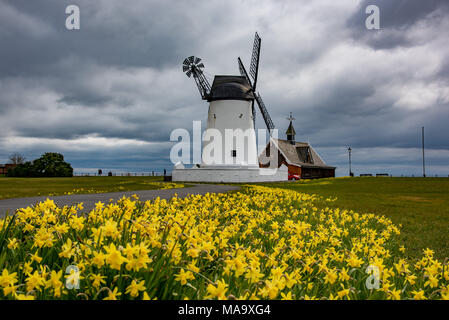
{"x":109,"y":95}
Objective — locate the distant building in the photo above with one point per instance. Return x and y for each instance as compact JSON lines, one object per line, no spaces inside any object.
{"x":5,"y":167}
{"x":300,"y":158}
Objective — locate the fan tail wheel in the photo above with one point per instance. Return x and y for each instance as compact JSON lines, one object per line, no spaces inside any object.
{"x":191,"y":65}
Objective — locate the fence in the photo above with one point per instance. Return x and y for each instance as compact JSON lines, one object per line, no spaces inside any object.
{"x":402,"y":175}
{"x":121,"y":174}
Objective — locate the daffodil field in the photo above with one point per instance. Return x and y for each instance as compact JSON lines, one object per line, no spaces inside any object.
{"x":260,"y":243}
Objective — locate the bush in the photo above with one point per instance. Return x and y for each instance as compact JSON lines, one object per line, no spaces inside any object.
{"x":21,"y":170}
{"x":48,"y":165}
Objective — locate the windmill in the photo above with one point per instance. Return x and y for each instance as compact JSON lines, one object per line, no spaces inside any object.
{"x":193,"y":65}
{"x":231,"y":109}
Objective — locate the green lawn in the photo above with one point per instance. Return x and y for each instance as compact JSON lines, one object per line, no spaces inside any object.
{"x":420,"y":205}
{"x":28,"y":187}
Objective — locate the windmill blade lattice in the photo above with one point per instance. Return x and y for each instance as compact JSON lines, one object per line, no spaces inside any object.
{"x":254,"y":67}
{"x":264,"y":111}
{"x":192,"y":66}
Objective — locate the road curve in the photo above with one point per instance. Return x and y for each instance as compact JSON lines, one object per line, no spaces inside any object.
{"x":89,"y":200}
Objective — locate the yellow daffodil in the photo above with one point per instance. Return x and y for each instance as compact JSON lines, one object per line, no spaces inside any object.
{"x":184,"y":276}
{"x":134,"y":288}
{"x":217,"y":291}
{"x":113,"y":294}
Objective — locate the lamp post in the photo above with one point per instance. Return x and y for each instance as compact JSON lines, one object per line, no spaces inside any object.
{"x":350,"y":171}
{"x":423,"y":160}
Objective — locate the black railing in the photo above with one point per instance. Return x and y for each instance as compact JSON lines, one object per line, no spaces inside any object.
{"x":120,"y":174}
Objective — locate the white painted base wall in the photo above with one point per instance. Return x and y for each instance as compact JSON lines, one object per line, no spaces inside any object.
{"x":231,"y":174}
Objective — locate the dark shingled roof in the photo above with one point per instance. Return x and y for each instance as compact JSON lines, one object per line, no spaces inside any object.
{"x":299,"y":154}
{"x":230,"y":88}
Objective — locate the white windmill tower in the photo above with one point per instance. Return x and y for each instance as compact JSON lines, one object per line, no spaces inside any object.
{"x":231,"y":111}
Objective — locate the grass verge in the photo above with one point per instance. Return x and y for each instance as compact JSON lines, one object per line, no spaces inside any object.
{"x":419,"y":205}
{"x":29,"y":187}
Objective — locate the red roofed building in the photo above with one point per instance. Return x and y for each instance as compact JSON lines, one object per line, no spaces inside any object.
{"x":300,"y":158}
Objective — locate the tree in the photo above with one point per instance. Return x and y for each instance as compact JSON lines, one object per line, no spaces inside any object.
{"x":16,"y":158}
{"x":48,"y":165}
{"x":52,"y":165}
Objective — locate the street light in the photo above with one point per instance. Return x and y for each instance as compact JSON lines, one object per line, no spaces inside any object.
{"x":423,"y":160}
{"x":350,"y":171}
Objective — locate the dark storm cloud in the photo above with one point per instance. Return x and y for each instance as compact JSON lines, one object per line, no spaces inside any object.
{"x":112,"y":92}
{"x":404,"y":13}
{"x":395,"y":18}
{"x":112,"y":33}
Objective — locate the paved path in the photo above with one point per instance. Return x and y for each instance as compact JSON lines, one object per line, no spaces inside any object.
{"x":89,"y":200}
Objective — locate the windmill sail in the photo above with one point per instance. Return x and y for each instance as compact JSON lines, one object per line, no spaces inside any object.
{"x":192,"y":66}
{"x":254,"y":69}
{"x":243,"y":72}
{"x":263,"y":110}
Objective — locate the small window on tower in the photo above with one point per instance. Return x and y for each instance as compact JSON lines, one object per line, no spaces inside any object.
{"x":234,"y":153}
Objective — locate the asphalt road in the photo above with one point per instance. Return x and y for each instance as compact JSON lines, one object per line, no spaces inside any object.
{"x":89,"y":200}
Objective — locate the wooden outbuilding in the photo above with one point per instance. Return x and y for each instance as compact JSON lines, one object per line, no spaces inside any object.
{"x":300,"y":157}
